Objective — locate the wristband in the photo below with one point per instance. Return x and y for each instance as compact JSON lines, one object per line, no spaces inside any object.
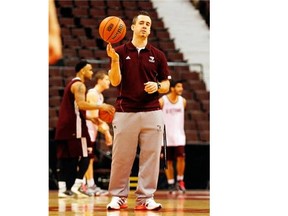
{"x":158,"y":85}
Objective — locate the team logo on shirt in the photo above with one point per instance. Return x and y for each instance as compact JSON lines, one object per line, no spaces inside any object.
{"x":173,"y":111}
{"x":151,"y":59}
{"x":128,"y":57}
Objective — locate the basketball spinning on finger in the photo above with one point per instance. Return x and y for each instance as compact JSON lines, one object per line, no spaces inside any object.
{"x":112,"y":29}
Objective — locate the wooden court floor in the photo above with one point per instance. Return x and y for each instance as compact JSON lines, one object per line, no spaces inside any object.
{"x":193,"y":203}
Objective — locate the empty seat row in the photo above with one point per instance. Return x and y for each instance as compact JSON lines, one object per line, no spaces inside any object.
{"x":197,"y":137}
{"x":104,"y":4}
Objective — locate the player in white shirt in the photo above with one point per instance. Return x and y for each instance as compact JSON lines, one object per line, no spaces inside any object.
{"x":95,"y":96}
{"x":173,"y":106}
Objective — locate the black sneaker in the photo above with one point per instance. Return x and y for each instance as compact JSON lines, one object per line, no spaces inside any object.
{"x":67,"y":193}
{"x":172,"y":188}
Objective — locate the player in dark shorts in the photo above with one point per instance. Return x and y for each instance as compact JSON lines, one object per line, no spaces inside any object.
{"x":72,"y":138}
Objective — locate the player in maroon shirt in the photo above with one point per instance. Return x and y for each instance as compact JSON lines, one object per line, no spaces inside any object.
{"x":73,"y":141}
{"x":140,"y":72}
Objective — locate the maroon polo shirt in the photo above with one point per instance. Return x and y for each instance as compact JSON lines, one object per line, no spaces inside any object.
{"x":136,"y":69}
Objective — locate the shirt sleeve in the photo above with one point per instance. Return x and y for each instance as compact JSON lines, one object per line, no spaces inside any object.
{"x":163,"y":71}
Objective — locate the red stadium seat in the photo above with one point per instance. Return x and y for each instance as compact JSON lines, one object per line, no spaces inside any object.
{"x":205,"y":105}
{"x":130,"y":5}
{"x":158,"y":24}
{"x":115,"y":12}
{"x":69,"y":42}
{"x":190,"y":125}
{"x":175,"y":56}
{"x":78,"y":32}
{"x":55,"y":81}
{"x":192,"y":104}
{"x":188,"y":75}
{"x":66,"y":22}
{"x":56,"y":91}
{"x":198,"y":115}
{"x":86,"y":54}
{"x":68,"y":72}
{"x":202,"y":94}
{"x":69,"y":52}
{"x":66,"y":3}
{"x":203,"y":125}
{"x":145,"y":5}
{"x":53,"y":112}
{"x":167,"y":45}
{"x":130,"y":13}
{"x":80,"y":12}
{"x":197,"y":84}
{"x":114,"y":4}
{"x":191,"y":137}
{"x":82,"y":4}
{"x":163,"y":35}
{"x":66,"y":32}
{"x":54,"y":71}
{"x":89,"y":22}
{"x":204,"y":136}
{"x":53,"y":122}
{"x":98,"y":13}
{"x":55,"y":101}
{"x":98,"y":4}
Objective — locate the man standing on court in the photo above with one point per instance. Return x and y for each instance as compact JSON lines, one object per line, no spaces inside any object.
{"x":140,"y":72}
{"x":95,"y":96}
{"x":72,"y":138}
{"x":173,"y":106}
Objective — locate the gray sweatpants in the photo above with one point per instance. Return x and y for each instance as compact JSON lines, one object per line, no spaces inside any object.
{"x":131,"y":129}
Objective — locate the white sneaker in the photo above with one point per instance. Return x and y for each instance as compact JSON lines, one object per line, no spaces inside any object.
{"x":149,"y":204}
{"x":81,"y":191}
{"x":97,"y":191}
{"x":117,"y":203}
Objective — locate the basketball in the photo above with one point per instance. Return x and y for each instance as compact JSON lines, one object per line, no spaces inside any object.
{"x":105,"y":116}
{"x":112,"y":29}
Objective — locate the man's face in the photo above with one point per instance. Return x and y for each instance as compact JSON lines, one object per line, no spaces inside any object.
{"x":105,"y":82}
{"x":178,"y":89}
{"x":88,"y":73}
{"x":142,"y":27}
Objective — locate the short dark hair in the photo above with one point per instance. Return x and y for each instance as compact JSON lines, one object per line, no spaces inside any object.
{"x":173,"y":83}
{"x":81,"y":65}
{"x":142,"y":12}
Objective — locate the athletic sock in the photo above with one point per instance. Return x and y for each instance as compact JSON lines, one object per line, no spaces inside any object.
{"x":171,"y":181}
{"x":62,"y":186}
{"x":90,"y":182}
{"x":180,"y":178}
